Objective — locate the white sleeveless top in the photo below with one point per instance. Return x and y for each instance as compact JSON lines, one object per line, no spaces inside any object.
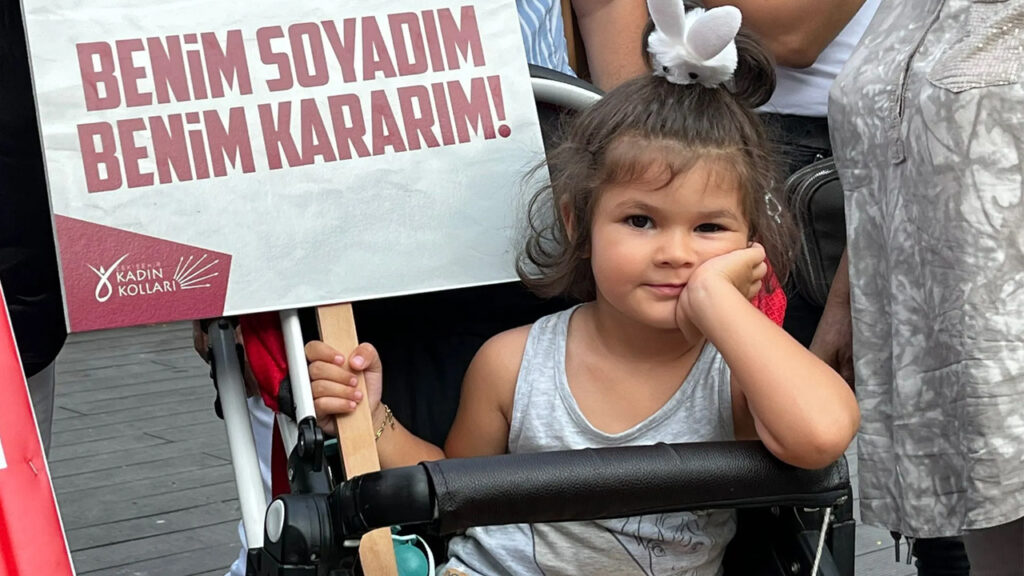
{"x":545,"y":417}
{"x":804,"y":91}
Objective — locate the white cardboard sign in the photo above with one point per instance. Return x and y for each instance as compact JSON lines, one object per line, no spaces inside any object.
{"x":204,"y":159}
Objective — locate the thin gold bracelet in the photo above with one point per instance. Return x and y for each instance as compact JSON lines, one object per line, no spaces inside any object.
{"x":389,"y":418}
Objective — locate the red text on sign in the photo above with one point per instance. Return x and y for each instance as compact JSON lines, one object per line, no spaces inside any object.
{"x":179,"y":68}
{"x":184,"y":147}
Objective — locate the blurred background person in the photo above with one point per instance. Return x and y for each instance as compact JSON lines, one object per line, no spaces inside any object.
{"x":28,"y":260}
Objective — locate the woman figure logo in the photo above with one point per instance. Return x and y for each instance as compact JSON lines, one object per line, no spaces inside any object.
{"x":103,"y":288}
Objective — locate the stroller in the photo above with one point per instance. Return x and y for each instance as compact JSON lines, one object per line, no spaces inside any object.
{"x":791,"y":521}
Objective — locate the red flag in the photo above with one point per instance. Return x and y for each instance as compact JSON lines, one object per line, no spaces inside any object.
{"x":31,"y":535}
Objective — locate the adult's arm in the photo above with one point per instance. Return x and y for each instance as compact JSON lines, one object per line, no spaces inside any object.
{"x":794,"y":31}
{"x":612,"y":32}
{"x":833,"y":340}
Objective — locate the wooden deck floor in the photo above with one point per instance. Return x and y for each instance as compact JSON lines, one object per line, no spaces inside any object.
{"x":141,"y":467}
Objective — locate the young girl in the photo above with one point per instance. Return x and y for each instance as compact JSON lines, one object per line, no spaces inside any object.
{"x":659,"y":216}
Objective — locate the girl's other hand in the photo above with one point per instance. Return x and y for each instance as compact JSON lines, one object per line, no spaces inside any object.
{"x":333,"y":377}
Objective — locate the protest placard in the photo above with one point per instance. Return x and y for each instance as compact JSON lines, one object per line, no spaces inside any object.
{"x":206,"y":161}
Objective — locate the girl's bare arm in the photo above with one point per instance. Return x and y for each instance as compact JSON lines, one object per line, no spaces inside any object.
{"x":485,"y":407}
{"x":802,"y":410}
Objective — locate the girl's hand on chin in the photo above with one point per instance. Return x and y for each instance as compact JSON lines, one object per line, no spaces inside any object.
{"x":742,"y":270}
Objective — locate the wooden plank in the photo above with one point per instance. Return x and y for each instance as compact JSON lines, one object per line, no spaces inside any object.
{"x":184,"y":362}
{"x":209,"y":431}
{"x":62,"y":413}
{"x":356,"y":437}
{"x":185,"y":359}
{"x":134,"y":334}
{"x":110,"y":509}
{"x":70,"y":484}
{"x":153,"y":426}
{"x":132,"y":501}
{"x":161,"y":374}
{"x":86,"y":395}
{"x":128,"y":404}
{"x":142,"y":346}
{"x":181,"y":564}
{"x":185,"y":405}
{"x":142,"y":368}
{"x":135,"y":552}
{"x":133,"y":456}
{"x":218,"y":450}
{"x":150,"y":497}
{"x":130,"y":332}
{"x":105,"y":446}
{"x":135,"y":528}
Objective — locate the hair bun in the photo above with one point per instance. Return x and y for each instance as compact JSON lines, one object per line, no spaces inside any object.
{"x":754,"y":80}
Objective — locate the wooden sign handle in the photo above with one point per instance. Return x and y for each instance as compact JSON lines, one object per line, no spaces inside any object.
{"x":356,"y":439}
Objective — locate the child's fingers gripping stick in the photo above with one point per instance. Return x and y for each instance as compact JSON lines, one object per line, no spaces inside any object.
{"x":331,"y":398}
{"x":334,"y":379}
{"x":365,"y":359}
{"x":320,"y":351}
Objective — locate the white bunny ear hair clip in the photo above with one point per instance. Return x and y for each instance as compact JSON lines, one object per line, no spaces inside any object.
{"x":695,"y":47}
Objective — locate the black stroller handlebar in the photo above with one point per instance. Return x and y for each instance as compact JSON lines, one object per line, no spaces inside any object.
{"x":583,"y":485}
{"x":313,"y":533}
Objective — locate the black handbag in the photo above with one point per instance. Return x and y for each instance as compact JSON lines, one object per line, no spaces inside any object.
{"x":816,"y":201}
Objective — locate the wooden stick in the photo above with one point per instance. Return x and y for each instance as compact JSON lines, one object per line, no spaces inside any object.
{"x":356,"y":437}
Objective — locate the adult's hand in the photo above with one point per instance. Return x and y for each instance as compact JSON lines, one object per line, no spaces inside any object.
{"x":833,"y":340}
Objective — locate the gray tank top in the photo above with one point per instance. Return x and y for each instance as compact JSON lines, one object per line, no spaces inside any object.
{"x":545,"y":417}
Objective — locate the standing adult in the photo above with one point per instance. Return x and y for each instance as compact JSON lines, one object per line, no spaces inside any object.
{"x":928,"y":131}
{"x":28,"y":262}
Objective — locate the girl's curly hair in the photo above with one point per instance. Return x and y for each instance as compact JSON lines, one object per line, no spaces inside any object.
{"x":650,"y":123}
